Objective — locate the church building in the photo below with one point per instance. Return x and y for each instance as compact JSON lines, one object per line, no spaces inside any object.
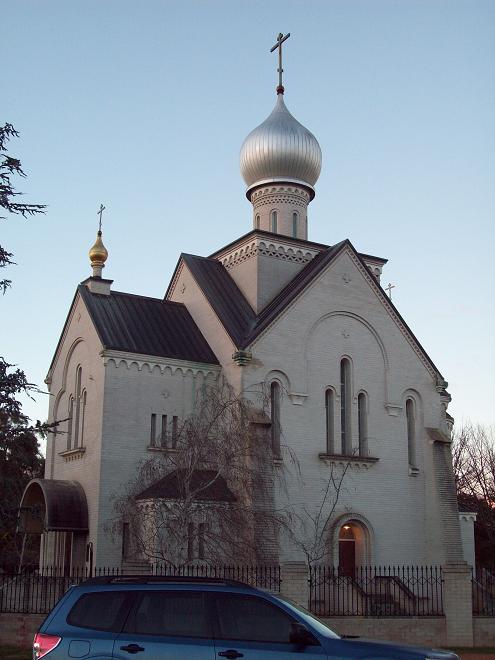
{"x":353,"y":397}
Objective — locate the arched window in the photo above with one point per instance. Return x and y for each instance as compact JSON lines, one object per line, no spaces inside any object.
{"x":70,"y":422}
{"x":329,"y":421}
{"x":345,"y":406}
{"x":411,"y":432}
{"x":257,"y":222}
{"x":294,"y":225}
{"x":83,"y":416}
{"x":363,"y":424}
{"x":274,"y":222}
{"x":77,"y":416}
{"x":275,"y":417}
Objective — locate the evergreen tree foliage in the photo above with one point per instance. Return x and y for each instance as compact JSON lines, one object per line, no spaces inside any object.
{"x":20,"y":458}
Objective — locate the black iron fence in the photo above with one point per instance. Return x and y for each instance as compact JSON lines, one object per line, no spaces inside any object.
{"x":484,"y":591}
{"x":376,"y":591}
{"x":36,"y":590}
{"x":262,"y":576}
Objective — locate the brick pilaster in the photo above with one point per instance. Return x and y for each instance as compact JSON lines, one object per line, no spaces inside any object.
{"x":457,"y":603}
{"x":295,"y":581}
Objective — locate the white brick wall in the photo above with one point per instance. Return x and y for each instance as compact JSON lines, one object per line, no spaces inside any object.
{"x":338,"y":315}
{"x":341,"y":316}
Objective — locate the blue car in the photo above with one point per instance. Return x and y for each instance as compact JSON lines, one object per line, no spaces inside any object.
{"x":160,"y":618}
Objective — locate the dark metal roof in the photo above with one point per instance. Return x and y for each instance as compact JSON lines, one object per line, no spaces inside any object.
{"x":202,"y":485}
{"x":63,"y":503}
{"x":149,"y":326}
{"x":236,"y":314}
{"x":223,"y":294}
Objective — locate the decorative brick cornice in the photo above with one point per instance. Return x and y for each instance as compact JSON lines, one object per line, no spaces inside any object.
{"x":119,"y":358}
{"x":73,"y":454}
{"x":283,"y":193}
{"x":353,"y":462}
{"x":261,"y":247}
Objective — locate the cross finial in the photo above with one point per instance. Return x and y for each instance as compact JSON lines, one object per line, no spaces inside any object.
{"x":100,"y":213}
{"x":389,"y":289}
{"x":280,"y":41}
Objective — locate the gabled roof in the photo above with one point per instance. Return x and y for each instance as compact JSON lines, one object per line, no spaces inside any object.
{"x":306,"y":276}
{"x":237,"y":315}
{"x":203,"y":485}
{"x":223,"y":294}
{"x":149,"y":326}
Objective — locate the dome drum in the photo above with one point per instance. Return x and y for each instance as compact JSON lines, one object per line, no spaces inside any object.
{"x":281,"y":210}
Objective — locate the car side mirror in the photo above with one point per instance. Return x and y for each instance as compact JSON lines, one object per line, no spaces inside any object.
{"x":301,"y":636}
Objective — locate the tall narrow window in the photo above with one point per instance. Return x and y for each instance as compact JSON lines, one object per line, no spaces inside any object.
{"x":175,"y":429}
{"x":83,"y":417}
{"x":345,"y":406}
{"x":257,"y":222}
{"x":411,"y":432}
{"x":153,"y":430}
{"x":294,"y":225}
{"x":274,"y":222}
{"x":329,"y":421}
{"x":201,"y":541}
{"x":275,"y":415}
{"x":163,"y":435}
{"x":70,"y":423}
{"x":77,"y":416}
{"x":363,"y":424}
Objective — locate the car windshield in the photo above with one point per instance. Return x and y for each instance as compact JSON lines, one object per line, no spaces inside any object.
{"x":313,"y":621}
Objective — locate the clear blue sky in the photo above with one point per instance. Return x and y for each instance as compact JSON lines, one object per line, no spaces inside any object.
{"x":144,"y":106}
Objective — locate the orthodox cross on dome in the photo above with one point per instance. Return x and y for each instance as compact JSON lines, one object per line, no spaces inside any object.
{"x":389,"y":289}
{"x":280,"y":41}
{"x":100,"y":213}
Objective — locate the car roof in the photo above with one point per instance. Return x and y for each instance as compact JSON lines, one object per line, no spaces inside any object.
{"x":169,"y":581}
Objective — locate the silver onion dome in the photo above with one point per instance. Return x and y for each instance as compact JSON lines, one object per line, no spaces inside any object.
{"x":280,"y":149}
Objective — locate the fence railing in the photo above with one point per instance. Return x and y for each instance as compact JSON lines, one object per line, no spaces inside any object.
{"x":484,"y":591}
{"x":376,"y":591}
{"x":36,"y":590}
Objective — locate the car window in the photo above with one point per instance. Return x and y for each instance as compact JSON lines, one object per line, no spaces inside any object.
{"x":251,"y":618}
{"x":100,"y":611}
{"x":169,"y":613}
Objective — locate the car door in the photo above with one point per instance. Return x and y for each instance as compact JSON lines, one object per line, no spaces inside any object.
{"x":252,"y":628}
{"x":166,"y":625}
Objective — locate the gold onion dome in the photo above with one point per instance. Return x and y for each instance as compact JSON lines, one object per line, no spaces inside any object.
{"x":98,"y":253}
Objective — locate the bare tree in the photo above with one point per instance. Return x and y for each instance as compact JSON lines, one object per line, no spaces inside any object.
{"x":207,"y":494}
{"x":473,"y":457}
{"x":311,"y":526}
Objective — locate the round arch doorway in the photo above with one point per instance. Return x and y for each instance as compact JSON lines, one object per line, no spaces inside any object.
{"x":353,"y":550}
